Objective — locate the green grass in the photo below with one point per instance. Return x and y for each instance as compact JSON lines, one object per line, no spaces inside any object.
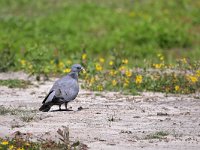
{"x":157,"y":135}
{"x":46,"y":37}
{"x":15,"y":83}
{"x":14,"y":111}
{"x":136,"y":29}
{"x":24,"y":115}
{"x":24,"y":141}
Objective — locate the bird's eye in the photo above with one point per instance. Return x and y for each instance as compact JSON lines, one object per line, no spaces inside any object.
{"x":78,"y":67}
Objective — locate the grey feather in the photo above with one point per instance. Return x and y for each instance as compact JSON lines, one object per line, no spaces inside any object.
{"x":64,"y":90}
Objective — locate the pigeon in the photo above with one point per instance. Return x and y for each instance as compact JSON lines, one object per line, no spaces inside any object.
{"x":64,"y":90}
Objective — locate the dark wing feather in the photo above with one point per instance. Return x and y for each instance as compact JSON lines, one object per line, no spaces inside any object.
{"x":47,"y":97}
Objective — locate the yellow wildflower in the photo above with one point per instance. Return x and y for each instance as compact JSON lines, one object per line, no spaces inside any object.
{"x":67,"y":70}
{"x":84,"y":56}
{"x":4,"y":143}
{"x":69,"y":62}
{"x":198,"y":73}
{"x":52,"y":62}
{"x":122,"y":68}
{"x":138,"y":79}
{"x":114,"y":82}
{"x":192,"y":78}
{"x":61,"y":65}
{"x":30,"y":66}
{"x":98,"y":67}
{"x":111,"y":63}
{"x":161,"y":58}
{"x":125,"y":61}
{"x":177,"y":88}
{"x":23,"y":62}
{"x":112,"y":72}
{"x":100,"y":88}
{"x":158,"y":66}
{"x":101,"y":60}
{"x":128,"y":73}
{"x":126,"y":82}
{"x":183,"y":60}
{"x":159,"y":55}
{"x":20,"y":148}
{"x":11,"y":147}
{"x":91,"y":80}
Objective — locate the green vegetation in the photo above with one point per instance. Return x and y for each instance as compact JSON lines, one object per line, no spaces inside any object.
{"x":116,"y":75}
{"x":157,"y":135}
{"x":15,"y":83}
{"x":110,"y":38}
{"x":23,"y":141}
{"x":24,"y":115}
{"x":138,"y":30}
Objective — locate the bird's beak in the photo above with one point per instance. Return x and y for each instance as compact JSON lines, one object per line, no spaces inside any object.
{"x":83,"y":69}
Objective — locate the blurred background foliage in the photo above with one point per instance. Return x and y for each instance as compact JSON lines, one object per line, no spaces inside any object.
{"x":135,"y":29}
{"x":125,"y":45}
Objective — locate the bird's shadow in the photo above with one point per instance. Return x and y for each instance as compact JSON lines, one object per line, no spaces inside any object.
{"x":61,"y":110}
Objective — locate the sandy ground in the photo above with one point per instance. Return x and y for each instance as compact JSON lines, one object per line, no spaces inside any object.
{"x":108,"y":120}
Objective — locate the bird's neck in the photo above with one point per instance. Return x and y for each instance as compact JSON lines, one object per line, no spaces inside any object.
{"x":74,"y":75}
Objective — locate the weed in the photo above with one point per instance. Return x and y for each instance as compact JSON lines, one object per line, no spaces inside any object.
{"x":15,"y":83}
{"x":27,"y":117}
{"x":4,"y":111}
{"x":133,"y":29}
{"x":22,"y":141}
{"x":7,"y":58}
{"x":157,"y":135}
{"x":64,"y":134}
{"x":112,"y":43}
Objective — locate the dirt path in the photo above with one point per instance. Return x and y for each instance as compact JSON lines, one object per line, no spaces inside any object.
{"x":108,"y":120}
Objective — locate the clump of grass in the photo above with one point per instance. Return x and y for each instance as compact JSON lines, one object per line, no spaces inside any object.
{"x":4,"y":111}
{"x":21,"y":142}
{"x":15,"y":83}
{"x":133,"y":29}
{"x":157,"y":135}
{"x":118,"y":30}
{"x":11,"y":111}
{"x":27,"y":117}
{"x":109,"y":27}
{"x":64,"y":134}
{"x":116,"y":74}
{"x":7,"y":58}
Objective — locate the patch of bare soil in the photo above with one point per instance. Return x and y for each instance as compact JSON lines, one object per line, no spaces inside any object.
{"x":108,"y":120}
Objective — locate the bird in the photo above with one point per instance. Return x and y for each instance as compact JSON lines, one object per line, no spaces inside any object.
{"x":63,"y":90}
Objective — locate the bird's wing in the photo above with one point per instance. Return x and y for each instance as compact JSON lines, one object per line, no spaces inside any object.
{"x":54,"y":92}
{"x":65,"y":88}
{"x":49,"y":97}
{"x":69,"y":89}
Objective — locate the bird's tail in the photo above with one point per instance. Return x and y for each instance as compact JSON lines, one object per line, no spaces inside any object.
{"x":45,"y":108}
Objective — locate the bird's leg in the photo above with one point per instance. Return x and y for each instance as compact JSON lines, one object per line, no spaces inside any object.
{"x":66,"y":106}
{"x":59,"y":107}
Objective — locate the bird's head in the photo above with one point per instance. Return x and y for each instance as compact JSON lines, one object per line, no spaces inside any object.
{"x":76,"y":68}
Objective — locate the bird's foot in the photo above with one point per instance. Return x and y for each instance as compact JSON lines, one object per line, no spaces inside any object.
{"x":68,"y":109}
{"x":62,"y":110}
